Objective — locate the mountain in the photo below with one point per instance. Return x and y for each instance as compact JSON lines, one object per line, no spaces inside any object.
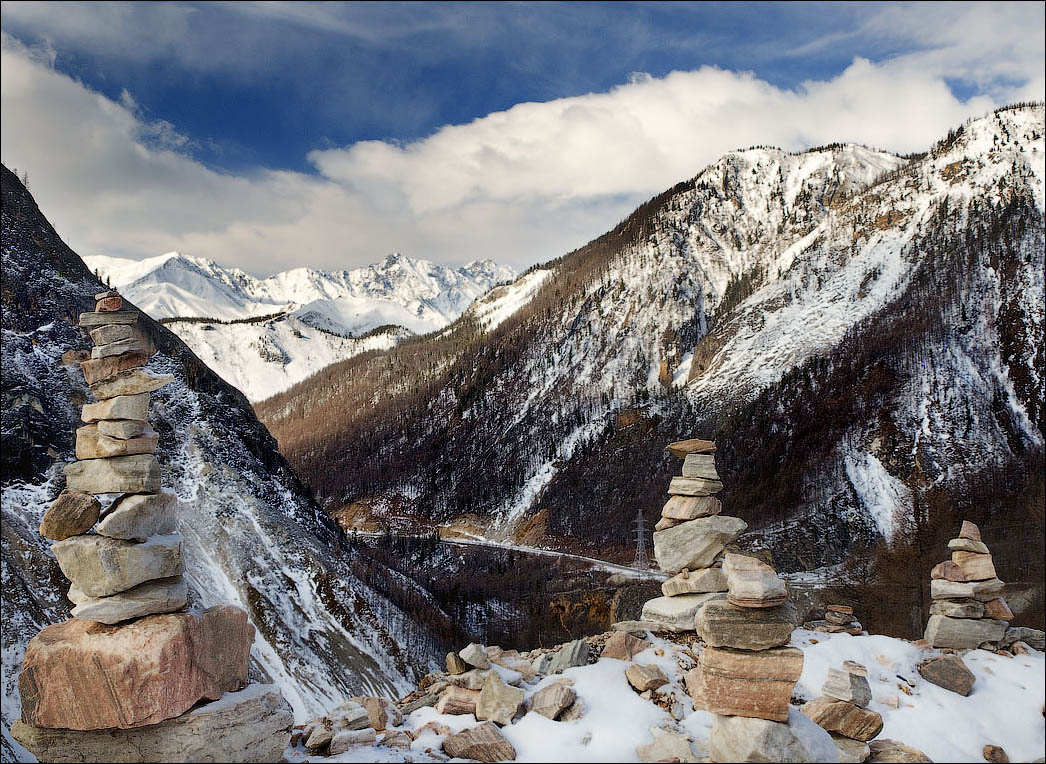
{"x":253,"y":536}
{"x":862,"y":333}
{"x":263,"y":335}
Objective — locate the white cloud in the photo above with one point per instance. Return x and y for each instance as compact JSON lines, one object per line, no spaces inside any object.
{"x":520,"y":186}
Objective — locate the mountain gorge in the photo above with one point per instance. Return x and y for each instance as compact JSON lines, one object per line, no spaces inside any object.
{"x":862,"y":333}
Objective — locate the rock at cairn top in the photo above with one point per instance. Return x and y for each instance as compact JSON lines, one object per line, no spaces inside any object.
{"x":969,"y":531}
{"x":682,"y":448}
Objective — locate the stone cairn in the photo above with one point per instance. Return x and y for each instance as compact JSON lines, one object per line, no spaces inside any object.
{"x":121,"y":680}
{"x":690,"y":538}
{"x":837,"y":619}
{"x":968,"y":609}
{"x":843,"y":711}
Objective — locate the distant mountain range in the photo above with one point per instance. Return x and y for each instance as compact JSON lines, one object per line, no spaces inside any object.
{"x":264,"y":335}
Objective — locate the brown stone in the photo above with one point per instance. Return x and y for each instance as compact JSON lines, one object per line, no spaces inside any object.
{"x":84,"y":675}
{"x":684,"y":486}
{"x":844,"y":717}
{"x":839,"y":619}
{"x":139,"y":473}
{"x":75,"y":356}
{"x":457,"y":700}
{"x":455,"y":665}
{"x":844,"y":609}
{"x":998,"y":609}
{"x":644,"y":678}
{"x":695,"y":582}
{"x":120,"y":407}
{"x":887,"y":751}
{"x":98,"y":369}
{"x":123,"y":429}
{"x":72,"y":513}
{"x":752,"y":582}
{"x":691,"y":507}
{"x":995,"y":754}
{"x":623,"y":646}
{"x":109,"y":333}
{"x":964,"y":608}
{"x":946,"y":571}
{"x":969,"y":531}
{"x":973,"y":566}
{"x":723,"y":624}
{"x":481,"y":743}
{"x":554,"y":700}
{"x":948,"y":672}
{"x":667,"y":522}
{"x":91,"y":444}
{"x":108,"y":305}
{"x":681,"y":448}
{"x":740,"y":683}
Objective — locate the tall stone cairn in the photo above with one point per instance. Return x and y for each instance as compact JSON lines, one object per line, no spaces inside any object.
{"x":690,"y":538}
{"x":968,"y":609}
{"x":132,"y":661}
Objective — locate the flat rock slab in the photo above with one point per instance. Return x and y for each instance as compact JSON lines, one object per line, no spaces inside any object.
{"x":741,"y":683}
{"x":139,"y":516}
{"x":691,"y":507}
{"x":887,"y":751}
{"x":110,"y":333}
{"x":101,"y":566}
{"x":163,"y":596}
{"x":723,"y":624}
{"x":968,"y":545}
{"x":978,"y":590}
{"x":948,"y":672}
{"x":124,"y":429}
{"x":737,"y":738}
{"x":968,"y":608}
{"x":844,"y":718}
{"x":681,"y":448}
{"x":753,"y":583}
{"x":252,"y":725}
{"x":684,"y":486}
{"x":457,"y":700}
{"x":700,"y":466}
{"x":120,"y":474}
{"x":119,"y":407}
{"x":696,"y":543}
{"x":1033,"y":637}
{"x":131,"y":382}
{"x":974,"y":566}
{"x":570,"y":655}
{"x":92,"y":444}
{"x":962,"y":633}
{"x":677,"y":613}
{"x":83,"y":675}
{"x":482,"y":743}
{"x":132,"y":345}
{"x":695,"y":582}
{"x":99,"y":369}
{"x":71,"y":514}
{"x":112,"y":317}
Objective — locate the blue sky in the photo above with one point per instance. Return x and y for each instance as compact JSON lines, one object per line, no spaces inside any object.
{"x":454,"y":131}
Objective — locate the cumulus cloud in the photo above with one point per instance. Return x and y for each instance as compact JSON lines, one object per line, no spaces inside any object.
{"x":520,"y":186}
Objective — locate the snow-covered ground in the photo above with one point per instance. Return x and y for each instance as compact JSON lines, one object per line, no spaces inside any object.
{"x":1004,"y":709}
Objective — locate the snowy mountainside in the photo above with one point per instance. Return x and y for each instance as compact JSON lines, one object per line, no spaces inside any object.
{"x":844,"y":321}
{"x":253,"y":537}
{"x":300,"y":320}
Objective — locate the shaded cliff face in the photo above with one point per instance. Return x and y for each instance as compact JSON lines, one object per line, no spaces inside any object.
{"x":253,"y":537}
{"x":862,"y":334}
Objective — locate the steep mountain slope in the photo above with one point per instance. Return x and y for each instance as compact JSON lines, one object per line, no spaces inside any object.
{"x":252,"y":535}
{"x":263,"y":335}
{"x":861,"y":332}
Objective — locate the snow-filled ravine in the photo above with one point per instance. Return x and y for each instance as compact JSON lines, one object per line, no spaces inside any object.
{"x":1005,"y":707}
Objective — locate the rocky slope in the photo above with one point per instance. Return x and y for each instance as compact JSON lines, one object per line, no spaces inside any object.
{"x":862,"y":333}
{"x":252,"y":534}
{"x":264,"y":335}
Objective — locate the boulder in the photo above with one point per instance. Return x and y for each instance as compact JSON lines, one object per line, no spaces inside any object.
{"x":72,"y":513}
{"x":99,"y":369}
{"x":844,"y":718}
{"x":343,"y":740}
{"x":851,"y":751}
{"x":130,"y":382}
{"x":497,"y":702}
{"x":677,"y":613}
{"x":251,"y":725}
{"x":470,"y":680}
{"x":691,"y":507}
{"x":667,"y":746}
{"x":968,"y":545}
{"x":482,"y":743}
{"x":163,"y":596}
{"x":457,"y":700}
{"x":643,"y":678}
{"x":623,"y":646}
{"x":723,"y":624}
{"x":684,"y":486}
{"x":92,"y":444}
{"x":967,"y":608}
{"x":695,"y":582}
{"x":753,"y":583}
{"x":740,"y":683}
{"x":101,"y":566}
{"x":120,"y":407}
{"x":552,"y":700}
{"x":381,"y":713}
{"x":696,"y":543}
{"x":455,"y":665}
{"x":474,"y":654}
{"x":978,"y":590}
{"x":681,"y":448}
{"x":962,"y":633}
{"x":348,"y":715}
{"x":969,"y":531}
{"x":110,"y":333}
{"x":124,"y":429}
{"x":887,"y":751}
{"x":741,"y":739}
{"x":700,"y":466}
{"x":853,"y":687}
{"x":570,"y":655}
{"x":134,"y":674}
{"x":998,"y":609}
{"x":139,"y":516}
{"x":120,"y":474}
{"x":101,"y":319}
{"x":973,"y":566}
{"x":948,"y":672}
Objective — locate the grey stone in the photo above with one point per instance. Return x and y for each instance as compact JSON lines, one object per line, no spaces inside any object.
{"x":101,"y":566}
{"x":425,"y":700}
{"x":962,"y":633}
{"x":552,"y":700}
{"x":968,"y":545}
{"x":120,"y":407}
{"x":92,"y":444}
{"x":636,"y":628}
{"x":119,"y":347}
{"x":455,"y":665}
{"x":470,"y":680}
{"x":677,"y":613}
{"x":968,"y":608}
{"x":684,"y":486}
{"x":349,"y":715}
{"x":343,"y":740}
{"x":949,"y":672}
{"x":753,"y":583}
{"x":667,"y":746}
{"x":695,"y":582}
{"x":112,"y":317}
{"x":163,"y":596}
{"x":130,"y":382}
{"x":109,"y":333}
{"x":851,"y":751}
{"x":320,"y":736}
{"x":700,"y":466}
{"x":574,"y":712}
{"x":482,"y":743}
{"x":1032,"y":637}
{"x":695,"y":543}
{"x":844,"y":685}
{"x":475,"y":655}
{"x":124,"y":429}
{"x":252,"y":725}
{"x":887,"y":751}
{"x":723,"y":624}
{"x":745,"y":739}
{"x":120,"y":474}
{"x":570,"y":655}
{"x":691,"y":507}
{"x":136,"y":517}
{"x":497,"y":702}
{"x":643,"y":678}
{"x":978,"y":590}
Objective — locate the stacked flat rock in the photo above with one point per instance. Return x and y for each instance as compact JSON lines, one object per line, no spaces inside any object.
{"x":129,"y":659}
{"x":690,"y":538}
{"x":837,"y":619}
{"x":968,"y":609}
{"x":842,"y":710}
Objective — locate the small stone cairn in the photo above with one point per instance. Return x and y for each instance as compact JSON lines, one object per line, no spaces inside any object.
{"x":837,"y":619}
{"x":968,"y":609}
{"x":843,"y":711}
{"x":122,"y":679}
{"x":690,"y":538}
